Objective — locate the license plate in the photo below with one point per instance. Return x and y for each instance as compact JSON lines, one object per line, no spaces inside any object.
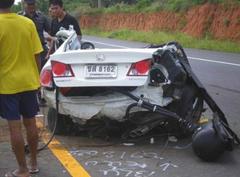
{"x":101,"y":71}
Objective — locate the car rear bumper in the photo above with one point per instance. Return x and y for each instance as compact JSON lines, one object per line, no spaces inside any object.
{"x":113,"y":106}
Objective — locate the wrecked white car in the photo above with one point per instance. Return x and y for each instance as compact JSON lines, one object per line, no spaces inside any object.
{"x":86,"y":79}
{"x":131,"y":91}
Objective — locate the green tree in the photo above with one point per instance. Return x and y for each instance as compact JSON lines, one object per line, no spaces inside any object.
{"x":16,"y":8}
{"x":107,"y":3}
{"x":43,"y":5}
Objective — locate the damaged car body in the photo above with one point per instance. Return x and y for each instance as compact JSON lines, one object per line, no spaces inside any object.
{"x":143,"y":88}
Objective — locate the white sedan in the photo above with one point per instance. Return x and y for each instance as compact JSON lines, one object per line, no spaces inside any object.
{"x":86,"y":85}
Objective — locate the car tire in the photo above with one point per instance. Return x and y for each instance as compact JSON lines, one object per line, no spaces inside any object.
{"x":64,"y":124}
{"x":87,"y":45}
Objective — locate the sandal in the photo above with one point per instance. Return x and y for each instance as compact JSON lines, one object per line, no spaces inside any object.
{"x":34,"y":171}
{"x":12,"y":174}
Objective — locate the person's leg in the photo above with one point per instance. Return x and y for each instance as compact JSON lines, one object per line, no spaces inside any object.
{"x":29,"y":109}
{"x":17,"y":142}
{"x":9,"y":104}
{"x":32,"y":139}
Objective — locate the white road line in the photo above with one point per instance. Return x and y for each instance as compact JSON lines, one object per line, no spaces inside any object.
{"x":192,"y":58}
{"x":214,"y":61}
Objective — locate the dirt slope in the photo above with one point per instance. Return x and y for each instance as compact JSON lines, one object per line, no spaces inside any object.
{"x":214,"y":20}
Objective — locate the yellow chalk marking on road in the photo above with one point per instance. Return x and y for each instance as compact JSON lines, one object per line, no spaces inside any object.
{"x":67,"y":160}
{"x":62,"y":154}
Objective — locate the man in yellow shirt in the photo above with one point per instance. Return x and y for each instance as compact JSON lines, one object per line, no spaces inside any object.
{"x":19,"y":81}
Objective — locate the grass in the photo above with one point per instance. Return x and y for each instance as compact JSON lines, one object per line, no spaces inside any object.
{"x":159,"y":37}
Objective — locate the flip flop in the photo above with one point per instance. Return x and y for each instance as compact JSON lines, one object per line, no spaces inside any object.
{"x":34,"y":171}
{"x":11,"y":174}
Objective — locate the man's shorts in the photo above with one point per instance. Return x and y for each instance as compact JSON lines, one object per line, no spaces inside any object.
{"x":13,"y":106}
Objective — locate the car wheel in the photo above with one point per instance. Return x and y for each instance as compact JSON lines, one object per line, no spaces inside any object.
{"x":87,"y":45}
{"x":64,"y":123}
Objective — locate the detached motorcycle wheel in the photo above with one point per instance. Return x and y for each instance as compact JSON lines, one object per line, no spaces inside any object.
{"x":63,"y":125}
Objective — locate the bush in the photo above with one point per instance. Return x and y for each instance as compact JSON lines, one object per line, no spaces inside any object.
{"x":143,"y":3}
{"x":178,"y":5}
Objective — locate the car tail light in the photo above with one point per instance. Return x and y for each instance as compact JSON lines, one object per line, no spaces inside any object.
{"x":140,"y":68}
{"x":65,"y":90}
{"x":61,"y":69}
{"x":46,"y":78}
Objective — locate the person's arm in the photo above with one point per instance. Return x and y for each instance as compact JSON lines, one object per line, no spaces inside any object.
{"x":51,"y":40}
{"x":38,"y":61}
{"x":76,"y":27}
{"x":37,"y":45}
{"x":51,"y":47}
{"x":47,"y":24}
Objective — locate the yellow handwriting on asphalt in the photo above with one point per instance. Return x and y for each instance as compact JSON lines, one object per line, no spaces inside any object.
{"x":68,"y":161}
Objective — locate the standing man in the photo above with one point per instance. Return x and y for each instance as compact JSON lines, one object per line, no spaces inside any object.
{"x":40,"y":20}
{"x":61,"y":19}
{"x":20,"y":47}
{"x":43,"y":25}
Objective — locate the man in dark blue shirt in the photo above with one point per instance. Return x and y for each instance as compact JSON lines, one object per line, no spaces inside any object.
{"x":41,"y":22}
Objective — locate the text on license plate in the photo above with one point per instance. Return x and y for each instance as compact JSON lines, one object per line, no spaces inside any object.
{"x":101,"y":71}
